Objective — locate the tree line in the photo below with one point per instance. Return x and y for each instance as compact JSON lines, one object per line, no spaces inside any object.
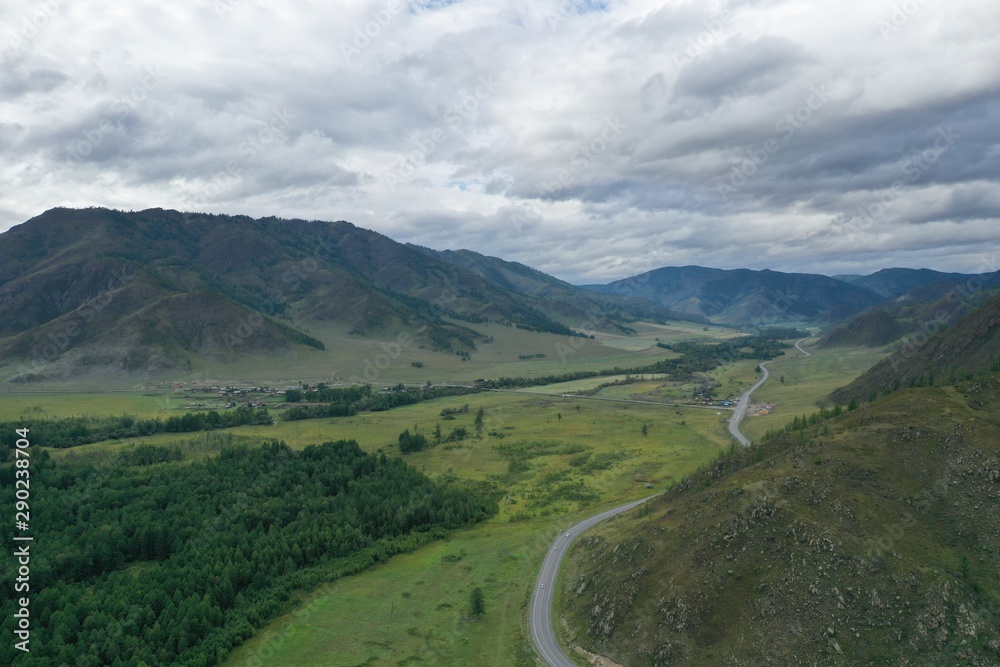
{"x":179,"y":562}
{"x":693,"y":358}
{"x":344,"y":402}
{"x":72,"y":431}
{"x":703,"y":357}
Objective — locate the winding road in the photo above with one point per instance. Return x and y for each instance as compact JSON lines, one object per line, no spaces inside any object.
{"x":744,"y":403}
{"x":540,"y":614}
{"x":798,"y":347}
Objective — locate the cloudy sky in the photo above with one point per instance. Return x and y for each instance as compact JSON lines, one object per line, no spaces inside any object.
{"x":590,"y":139}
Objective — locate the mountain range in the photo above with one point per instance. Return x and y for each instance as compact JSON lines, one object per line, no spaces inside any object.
{"x":146,"y":291}
{"x":744,"y":296}
{"x":153,"y":291}
{"x":895,"y":282}
{"x":933,"y":301}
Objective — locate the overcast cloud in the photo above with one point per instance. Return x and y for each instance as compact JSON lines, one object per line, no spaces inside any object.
{"x":592,"y":140}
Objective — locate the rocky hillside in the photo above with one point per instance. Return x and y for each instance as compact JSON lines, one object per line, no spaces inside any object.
{"x":869,"y":539}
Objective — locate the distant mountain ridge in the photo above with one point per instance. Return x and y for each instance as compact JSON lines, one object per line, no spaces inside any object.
{"x":894,"y":282}
{"x":146,"y":291}
{"x":530,"y":282}
{"x":931,"y":305}
{"x":744,"y":296}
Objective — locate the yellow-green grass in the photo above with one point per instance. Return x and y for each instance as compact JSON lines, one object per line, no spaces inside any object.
{"x":390,"y":358}
{"x":683,"y":331}
{"x":39,"y":404}
{"x":412,"y":610}
{"x":806,"y":381}
{"x":387,"y":361}
{"x":734,"y":379}
{"x":576,"y":385}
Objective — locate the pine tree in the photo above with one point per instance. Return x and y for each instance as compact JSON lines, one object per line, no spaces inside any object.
{"x":477,"y":603}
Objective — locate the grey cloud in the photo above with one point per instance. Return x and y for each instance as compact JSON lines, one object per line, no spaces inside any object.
{"x":741,"y":67}
{"x":17,"y":82}
{"x":697,"y":89}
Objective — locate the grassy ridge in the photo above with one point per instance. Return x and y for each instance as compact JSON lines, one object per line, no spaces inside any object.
{"x":875,"y":543}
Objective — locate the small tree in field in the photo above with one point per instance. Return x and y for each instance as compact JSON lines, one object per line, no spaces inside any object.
{"x":477,"y":603}
{"x":479,"y":421}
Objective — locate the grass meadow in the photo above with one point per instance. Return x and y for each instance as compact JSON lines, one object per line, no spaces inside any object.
{"x":554,"y":458}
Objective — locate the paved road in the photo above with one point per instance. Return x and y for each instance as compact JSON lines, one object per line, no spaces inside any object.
{"x":741,"y":407}
{"x":540,"y":614}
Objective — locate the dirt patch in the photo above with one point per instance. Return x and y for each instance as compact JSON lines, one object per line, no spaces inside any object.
{"x":596,"y":660}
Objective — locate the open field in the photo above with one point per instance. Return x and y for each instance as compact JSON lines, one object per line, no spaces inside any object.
{"x":648,"y":334}
{"x":556,"y":460}
{"x":398,"y":358}
{"x":807,"y":380}
{"x":574,"y":456}
{"x":411,"y":610}
{"x":733,"y":380}
{"x":389,"y":362}
{"x":577,"y":385}
{"x":14,"y":404}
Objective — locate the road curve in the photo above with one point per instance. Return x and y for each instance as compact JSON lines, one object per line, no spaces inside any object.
{"x":741,"y":408}
{"x":540,"y":613}
{"x":798,"y":346}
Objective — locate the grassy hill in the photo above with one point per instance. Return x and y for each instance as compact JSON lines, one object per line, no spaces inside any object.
{"x":930,"y":305}
{"x":872,"y":329}
{"x":871,"y":539}
{"x":154,"y":291}
{"x":743,"y":296}
{"x":970,"y":347}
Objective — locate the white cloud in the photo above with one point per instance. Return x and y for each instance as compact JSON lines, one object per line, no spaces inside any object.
{"x":588,"y":139}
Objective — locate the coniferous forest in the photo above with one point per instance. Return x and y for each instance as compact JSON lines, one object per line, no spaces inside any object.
{"x":176,"y":562}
